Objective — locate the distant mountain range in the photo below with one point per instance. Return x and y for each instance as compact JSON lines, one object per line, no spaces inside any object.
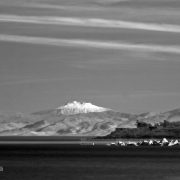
{"x":77,"y":119}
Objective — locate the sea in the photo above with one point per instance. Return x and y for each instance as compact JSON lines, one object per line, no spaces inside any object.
{"x":87,"y":162}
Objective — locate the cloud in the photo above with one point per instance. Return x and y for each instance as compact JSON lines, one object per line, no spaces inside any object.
{"x":82,"y":43}
{"x":61,"y":7}
{"x":147,"y":93}
{"x":90,"y":22}
{"x":38,"y":80}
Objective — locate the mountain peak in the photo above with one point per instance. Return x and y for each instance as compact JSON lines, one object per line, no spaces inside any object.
{"x":76,"y":107}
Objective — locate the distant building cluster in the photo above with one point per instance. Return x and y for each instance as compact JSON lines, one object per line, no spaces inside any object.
{"x":150,"y":142}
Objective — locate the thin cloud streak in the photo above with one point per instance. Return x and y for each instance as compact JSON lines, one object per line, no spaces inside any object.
{"x":61,"y":7}
{"x":38,"y":80}
{"x":90,"y":22}
{"x":88,"y":43}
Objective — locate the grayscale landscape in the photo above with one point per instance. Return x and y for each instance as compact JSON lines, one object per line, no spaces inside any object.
{"x":82,"y":119}
{"x":89,"y":89}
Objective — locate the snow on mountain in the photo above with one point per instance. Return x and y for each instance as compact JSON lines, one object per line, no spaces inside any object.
{"x":78,"y":107}
{"x":77,"y":119}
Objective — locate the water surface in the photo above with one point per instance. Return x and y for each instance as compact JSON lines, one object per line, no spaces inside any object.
{"x":86,"y":163}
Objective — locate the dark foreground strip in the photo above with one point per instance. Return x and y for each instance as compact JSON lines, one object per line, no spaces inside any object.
{"x":87,"y":150}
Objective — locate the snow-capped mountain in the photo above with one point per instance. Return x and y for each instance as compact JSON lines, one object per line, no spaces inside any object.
{"x":78,"y":107}
{"x":72,"y":119}
{"x":77,"y":119}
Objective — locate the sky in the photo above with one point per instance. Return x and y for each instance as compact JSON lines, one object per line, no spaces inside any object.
{"x":123,"y":55}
